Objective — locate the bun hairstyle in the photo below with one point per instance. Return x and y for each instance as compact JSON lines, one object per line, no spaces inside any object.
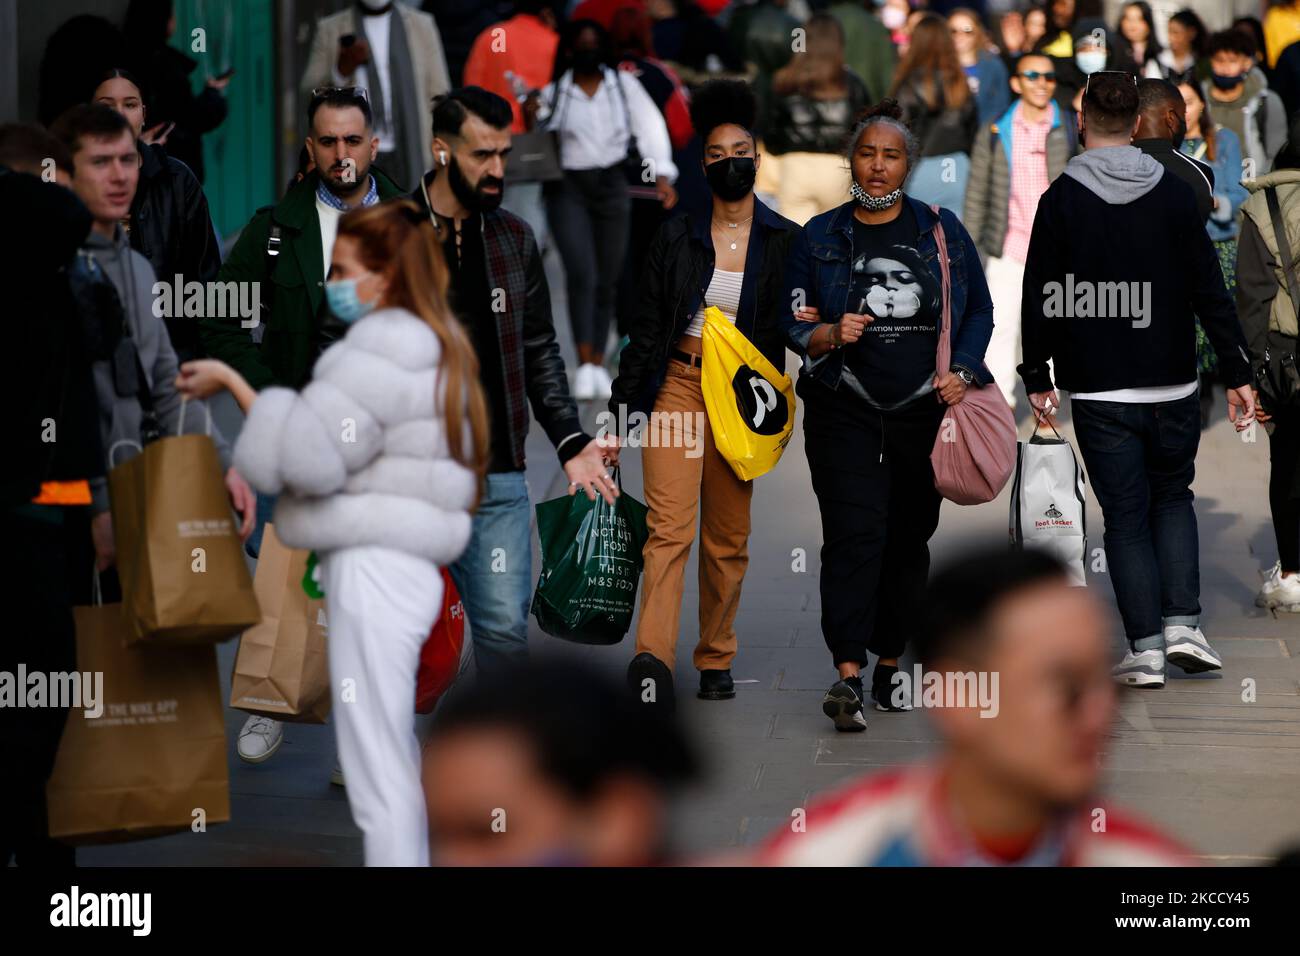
{"x":722,"y":103}
{"x":889,"y":112}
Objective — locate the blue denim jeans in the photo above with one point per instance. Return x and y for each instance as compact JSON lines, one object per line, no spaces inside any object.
{"x":494,"y":575}
{"x":265,"y":505}
{"x":1141,"y":459}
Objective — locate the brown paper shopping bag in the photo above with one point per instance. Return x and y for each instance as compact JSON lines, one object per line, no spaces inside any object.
{"x":282,"y":670}
{"x":154,"y":760}
{"x":184,"y":580}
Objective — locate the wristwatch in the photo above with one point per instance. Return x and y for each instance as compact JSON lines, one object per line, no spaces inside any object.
{"x":964,"y":374}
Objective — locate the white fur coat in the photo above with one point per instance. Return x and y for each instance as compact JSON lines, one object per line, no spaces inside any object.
{"x":360,"y":456}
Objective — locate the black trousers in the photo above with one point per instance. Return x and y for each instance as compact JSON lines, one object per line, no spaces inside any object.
{"x":879,"y":508}
{"x":39,"y":635}
{"x":1284,"y":486}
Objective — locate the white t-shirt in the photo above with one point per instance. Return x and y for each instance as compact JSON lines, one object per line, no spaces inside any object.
{"x":329,"y":228}
{"x":1139,"y":396}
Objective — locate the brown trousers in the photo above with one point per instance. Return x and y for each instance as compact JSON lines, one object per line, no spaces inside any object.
{"x":676,"y":485}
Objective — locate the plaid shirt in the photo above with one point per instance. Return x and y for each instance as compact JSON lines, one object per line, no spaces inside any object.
{"x":1029,"y":181}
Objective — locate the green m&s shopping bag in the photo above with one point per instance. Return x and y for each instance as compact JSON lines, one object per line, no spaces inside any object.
{"x":591,"y":564}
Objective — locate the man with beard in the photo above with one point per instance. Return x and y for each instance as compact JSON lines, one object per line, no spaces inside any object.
{"x":284,"y":249}
{"x":499,"y":291}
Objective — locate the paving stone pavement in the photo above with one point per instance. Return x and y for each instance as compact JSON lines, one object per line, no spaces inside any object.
{"x":1221,"y":774}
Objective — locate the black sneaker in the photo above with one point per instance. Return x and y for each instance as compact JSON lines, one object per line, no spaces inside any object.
{"x":716,"y":685}
{"x":843,"y":704}
{"x":883,"y":688}
{"x":651,"y":681}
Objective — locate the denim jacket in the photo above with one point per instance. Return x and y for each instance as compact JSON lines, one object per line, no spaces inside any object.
{"x":817,"y":274}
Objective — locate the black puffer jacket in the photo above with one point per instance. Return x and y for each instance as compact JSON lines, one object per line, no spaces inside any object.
{"x":943,"y":130}
{"x":172,"y":228}
{"x":676,"y":274}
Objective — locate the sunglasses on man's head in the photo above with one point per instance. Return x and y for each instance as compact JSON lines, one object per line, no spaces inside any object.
{"x":1035,"y":75}
{"x":357,"y":91}
{"x":1108,"y":73}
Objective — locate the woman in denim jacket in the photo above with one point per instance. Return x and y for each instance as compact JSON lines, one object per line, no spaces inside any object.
{"x":864,"y":282}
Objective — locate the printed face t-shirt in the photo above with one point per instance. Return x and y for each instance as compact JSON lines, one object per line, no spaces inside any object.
{"x":893,"y":361}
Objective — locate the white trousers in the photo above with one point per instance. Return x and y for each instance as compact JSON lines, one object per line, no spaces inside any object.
{"x":381,"y":605}
{"x":1006,"y":286}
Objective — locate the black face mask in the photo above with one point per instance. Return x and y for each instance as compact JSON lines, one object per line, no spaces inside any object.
{"x":586,"y":62}
{"x":1227,"y":82}
{"x":731,"y":178}
{"x":470,"y":196}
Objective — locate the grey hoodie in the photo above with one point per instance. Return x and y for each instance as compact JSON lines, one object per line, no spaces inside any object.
{"x":1117,"y":174}
{"x":120,"y":418}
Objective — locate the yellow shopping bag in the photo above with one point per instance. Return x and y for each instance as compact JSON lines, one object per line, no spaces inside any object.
{"x":750,"y":403}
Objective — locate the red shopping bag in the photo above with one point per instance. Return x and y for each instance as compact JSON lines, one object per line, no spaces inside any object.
{"x":440,"y":656}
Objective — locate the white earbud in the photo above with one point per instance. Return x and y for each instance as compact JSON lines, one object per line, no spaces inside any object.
{"x":442,"y":156}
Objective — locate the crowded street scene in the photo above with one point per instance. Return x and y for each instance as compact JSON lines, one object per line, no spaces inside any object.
{"x":655,"y":435}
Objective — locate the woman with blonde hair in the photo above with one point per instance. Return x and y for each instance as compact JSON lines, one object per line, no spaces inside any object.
{"x":930,"y":86}
{"x":378,"y":464}
{"x":987,"y":75}
{"x":813,"y":102}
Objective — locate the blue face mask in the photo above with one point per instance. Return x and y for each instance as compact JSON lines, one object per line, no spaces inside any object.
{"x":1090,"y":61}
{"x":344,"y":301}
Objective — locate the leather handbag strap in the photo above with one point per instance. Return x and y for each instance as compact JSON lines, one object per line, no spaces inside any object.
{"x":943,"y":356}
{"x":1283,"y":247}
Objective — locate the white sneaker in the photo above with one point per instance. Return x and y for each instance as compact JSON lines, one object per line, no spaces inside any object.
{"x":584,"y":382}
{"x":336,"y":775}
{"x":604,"y":385}
{"x":259,"y":739}
{"x":1186,"y":647}
{"x":1145,"y":669}
{"x":1279,"y":592}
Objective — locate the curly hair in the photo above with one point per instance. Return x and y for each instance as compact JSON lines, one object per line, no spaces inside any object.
{"x":720,"y":103}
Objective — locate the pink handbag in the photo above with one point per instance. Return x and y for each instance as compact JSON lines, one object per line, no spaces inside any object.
{"x":975,"y":451}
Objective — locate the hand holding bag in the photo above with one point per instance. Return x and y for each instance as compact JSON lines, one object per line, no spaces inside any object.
{"x":975,"y":450}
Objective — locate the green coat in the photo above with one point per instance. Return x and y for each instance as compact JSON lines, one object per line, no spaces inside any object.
{"x":292,"y":291}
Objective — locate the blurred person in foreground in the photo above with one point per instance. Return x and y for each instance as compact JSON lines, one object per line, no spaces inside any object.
{"x":1016,"y":781}
{"x":551,"y":765}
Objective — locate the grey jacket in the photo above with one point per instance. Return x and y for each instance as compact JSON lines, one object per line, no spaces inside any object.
{"x":1258,"y":118}
{"x":120,"y":418}
{"x":988,"y":191}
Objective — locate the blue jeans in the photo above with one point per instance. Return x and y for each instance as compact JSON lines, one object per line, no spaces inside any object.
{"x":265,"y":505}
{"x":1141,"y":459}
{"x":494,"y":575}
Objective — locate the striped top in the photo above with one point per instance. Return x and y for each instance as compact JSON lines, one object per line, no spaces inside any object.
{"x":723,"y":292}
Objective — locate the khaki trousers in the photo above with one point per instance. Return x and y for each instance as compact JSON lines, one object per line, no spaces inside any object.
{"x":678,"y":481}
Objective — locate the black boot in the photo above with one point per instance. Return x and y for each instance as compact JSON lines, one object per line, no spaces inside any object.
{"x":651,"y":681}
{"x":716,"y":685}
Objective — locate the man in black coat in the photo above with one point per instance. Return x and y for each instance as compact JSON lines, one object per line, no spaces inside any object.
{"x":1119,"y":267}
{"x":1162,"y":124}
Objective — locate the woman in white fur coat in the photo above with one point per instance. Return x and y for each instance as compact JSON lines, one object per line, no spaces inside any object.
{"x":377,"y":465}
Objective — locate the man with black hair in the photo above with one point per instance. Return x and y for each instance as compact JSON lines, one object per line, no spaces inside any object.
{"x":1162,"y":124}
{"x":551,"y":765}
{"x":1119,"y":267}
{"x":1242,"y":101}
{"x":498,"y":290}
{"x":1013,"y":665}
{"x":284,"y":249}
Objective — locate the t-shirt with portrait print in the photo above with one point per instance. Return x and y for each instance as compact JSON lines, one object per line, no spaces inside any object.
{"x":893,"y":361}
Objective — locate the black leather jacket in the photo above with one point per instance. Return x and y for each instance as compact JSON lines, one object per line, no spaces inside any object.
{"x":676,"y":274}
{"x":172,"y":228}
{"x":940,"y":131}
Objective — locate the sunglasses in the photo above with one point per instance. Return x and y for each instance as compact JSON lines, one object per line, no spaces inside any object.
{"x":359,"y":92}
{"x":956,"y":30}
{"x":1108,"y":73}
{"x":1035,"y":75}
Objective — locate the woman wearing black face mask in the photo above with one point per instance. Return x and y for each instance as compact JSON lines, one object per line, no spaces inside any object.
{"x":731,"y":255}
{"x":611,"y":136}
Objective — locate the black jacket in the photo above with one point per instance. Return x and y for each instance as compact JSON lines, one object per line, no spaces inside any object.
{"x":165,"y":72}
{"x":172,"y":228}
{"x":1191,"y":171}
{"x":677,"y":272}
{"x":1154,"y":246}
{"x":940,"y":131}
{"x":48,"y":385}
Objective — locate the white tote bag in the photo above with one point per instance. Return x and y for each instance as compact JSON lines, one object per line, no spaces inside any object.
{"x":1047,"y":502}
